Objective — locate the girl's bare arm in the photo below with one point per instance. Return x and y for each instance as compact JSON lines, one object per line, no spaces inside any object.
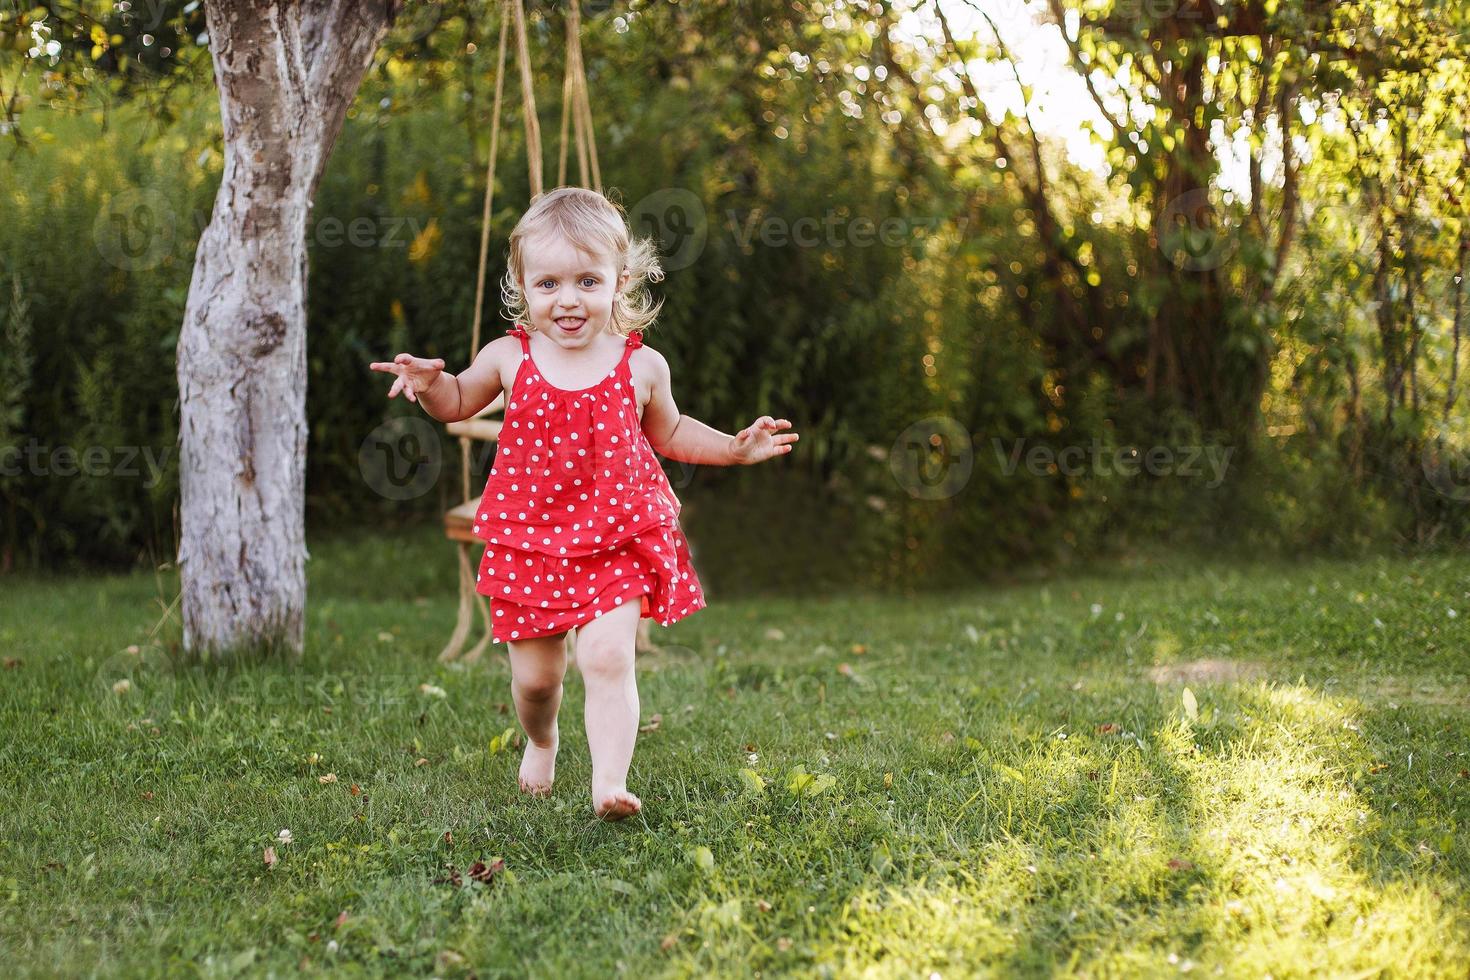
{"x":454,"y":398}
{"x":685,"y":438}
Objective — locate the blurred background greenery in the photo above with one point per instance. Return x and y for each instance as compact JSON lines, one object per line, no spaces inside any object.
{"x":921,"y":231}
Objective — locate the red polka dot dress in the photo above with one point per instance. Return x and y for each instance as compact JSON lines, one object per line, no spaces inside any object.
{"x":577,"y":515}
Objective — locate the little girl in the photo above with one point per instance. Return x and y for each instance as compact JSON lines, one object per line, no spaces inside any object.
{"x":578,"y":517}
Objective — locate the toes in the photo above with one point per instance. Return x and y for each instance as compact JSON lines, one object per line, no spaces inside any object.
{"x":617,"y":806}
{"x":534,"y":789}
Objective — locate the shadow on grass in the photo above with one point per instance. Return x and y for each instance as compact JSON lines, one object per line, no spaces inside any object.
{"x":1236,"y":844}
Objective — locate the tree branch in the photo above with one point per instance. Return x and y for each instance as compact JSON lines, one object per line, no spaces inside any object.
{"x":1059,"y":14}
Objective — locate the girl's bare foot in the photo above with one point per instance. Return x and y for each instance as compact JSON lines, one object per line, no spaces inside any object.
{"x":538,"y":767}
{"x":615,"y":804}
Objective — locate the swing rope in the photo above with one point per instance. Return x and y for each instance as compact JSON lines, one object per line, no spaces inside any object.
{"x":576,"y":103}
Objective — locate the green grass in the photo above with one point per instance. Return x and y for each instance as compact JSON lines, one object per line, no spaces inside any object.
{"x":1015,"y":787}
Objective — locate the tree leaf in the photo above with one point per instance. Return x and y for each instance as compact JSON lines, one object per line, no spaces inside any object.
{"x":798,"y":779}
{"x":820,"y":784}
{"x":752,"y":781}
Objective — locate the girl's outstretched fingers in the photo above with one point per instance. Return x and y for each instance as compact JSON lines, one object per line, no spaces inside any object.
{"x":763,"y":439}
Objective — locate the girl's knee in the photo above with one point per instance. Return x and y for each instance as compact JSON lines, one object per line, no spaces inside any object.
{"x":540,"y":687}
{"x":604,"y":657}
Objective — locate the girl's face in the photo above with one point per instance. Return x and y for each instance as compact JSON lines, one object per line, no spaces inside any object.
{"x":569,"y":294}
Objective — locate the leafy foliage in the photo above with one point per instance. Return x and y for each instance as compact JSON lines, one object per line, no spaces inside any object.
{"x":1307,"y":319}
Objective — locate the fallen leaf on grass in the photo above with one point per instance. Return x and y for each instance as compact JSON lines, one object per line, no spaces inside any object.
{"x":1179,"y":864}
{"x":12,"y":662}
{"x":775,"y":634}
{"x":802,"y":783}
{"x":270,"y":856}
{"x":1011,"y":772}
{"x":341,"y":920}
{"x":421,"y":762}
{"x":762,"y":905}
{"x":479,"y":871}
{"x":1377,"y":767}
{"x":752,"y":781}
{"x":330,"y":777}
{"x":485,"y":873}
{"x":859,"y":648}
{"x":653,"y":724}
{"x":702,"y":857}
{"x":448,"y":961}
{"x":1107,"y":728}
{"x":669,"y":942}
{"x":355,"y":790}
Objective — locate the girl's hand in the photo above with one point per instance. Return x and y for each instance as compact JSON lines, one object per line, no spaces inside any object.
{"x":415,"y":374}
{"x":758,"y":441}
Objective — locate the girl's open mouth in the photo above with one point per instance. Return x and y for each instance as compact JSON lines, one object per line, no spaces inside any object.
{"x":570,"y":324}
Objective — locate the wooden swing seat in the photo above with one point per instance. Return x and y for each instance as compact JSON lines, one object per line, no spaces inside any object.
{"x":483,"y":427}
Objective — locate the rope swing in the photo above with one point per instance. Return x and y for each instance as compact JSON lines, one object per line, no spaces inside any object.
{"x":486,"y":425}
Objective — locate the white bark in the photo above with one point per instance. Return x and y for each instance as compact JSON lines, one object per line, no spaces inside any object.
{"x":286,"y":72}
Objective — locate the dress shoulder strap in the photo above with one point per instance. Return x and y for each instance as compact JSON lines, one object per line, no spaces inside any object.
{"x":635,"y":341}
{"x":525,"y":338}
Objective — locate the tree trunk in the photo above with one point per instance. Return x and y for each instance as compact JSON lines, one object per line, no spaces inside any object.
{"x":286,"y":72}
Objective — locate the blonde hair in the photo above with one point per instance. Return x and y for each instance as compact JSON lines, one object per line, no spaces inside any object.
{"x":597,"y":226}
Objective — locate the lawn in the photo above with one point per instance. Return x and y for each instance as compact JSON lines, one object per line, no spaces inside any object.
{"x":1178,"y":766}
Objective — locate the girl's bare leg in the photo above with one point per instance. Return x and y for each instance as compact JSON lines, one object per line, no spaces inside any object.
{"x":605,"y":658}
{"x":537,"y":667}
